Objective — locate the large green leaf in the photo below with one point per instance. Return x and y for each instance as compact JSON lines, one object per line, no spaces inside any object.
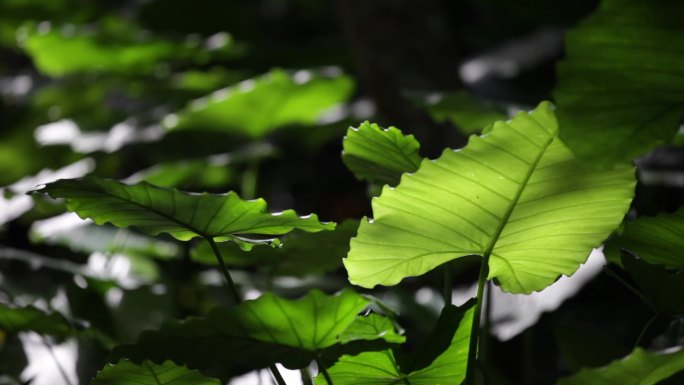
{"x":378,"y":155}
{"x":156,"y":210}
{"x":442,"y":360}
{"x":127,"y":373}
{"x":299,"y":255}
{"x":258,"y":333}
{"x":517,"y":195}
{"x":621,"y":86}
{"x":657,"y":240}
{"x":639,"y":368}
{"x":255,"y":107}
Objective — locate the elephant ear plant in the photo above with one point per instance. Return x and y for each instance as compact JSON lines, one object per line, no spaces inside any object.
{"x":515,"y":196}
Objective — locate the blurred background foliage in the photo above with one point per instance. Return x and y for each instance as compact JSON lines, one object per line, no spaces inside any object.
{"x":255,"y":96}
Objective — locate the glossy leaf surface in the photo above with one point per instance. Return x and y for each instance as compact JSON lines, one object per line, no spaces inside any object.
{"x":621,"y":86}
{"x":258,"y":106}
{"x":516,"y":194}
{"x":380,"y":155}
{"x":641,"y":367}
{"x":440,"y":361}
{"x":127,"y":373}
{"x":260,"y":332}
{"x":156,"y":210}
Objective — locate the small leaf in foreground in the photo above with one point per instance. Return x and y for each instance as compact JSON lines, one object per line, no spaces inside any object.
{"x":127,"y":373}
{"x":641,"y":367}
{"x":156,"y":210}
{"x":621,"y":86}
{"x":260,"y":332}
{"x":380,"y":155}
{"x":516,"y":195}
{"x":442,"y":360}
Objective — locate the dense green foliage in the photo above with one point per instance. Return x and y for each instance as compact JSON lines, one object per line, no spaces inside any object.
{"x":141,"y":142}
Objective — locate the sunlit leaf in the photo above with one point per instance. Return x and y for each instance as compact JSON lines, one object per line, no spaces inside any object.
{"x":442,"y":360}
{"x":657,"y":240}
{"x":300,"y":254}
{"x":127,"y":373}
{"x":259,"y":332}
{"x":621,"y":85}
{"x":156,"y":210}
{"x":640,"y":367}
{"x":380,"y":155}
{"x":256,"y":107}
{"x":516,"y":194}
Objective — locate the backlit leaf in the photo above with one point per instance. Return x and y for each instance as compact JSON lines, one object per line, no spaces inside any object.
{"x":127,"y":373}
{"x":516,"y":194}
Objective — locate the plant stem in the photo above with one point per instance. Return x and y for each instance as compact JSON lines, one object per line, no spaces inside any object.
{"x":226,"y":274}
{"x":323,"y":370}
{"x":646,"y":328}
{"x":236,"y":297}
{"x":61,"y":369}
{"x":475,"y":330}
{"x":249,"y":180}
{"x":447,"y":284}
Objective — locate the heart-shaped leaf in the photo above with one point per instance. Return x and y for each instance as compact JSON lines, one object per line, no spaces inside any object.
{"x":156,"y":210}
{"x":257,"y":333}
{"x":442,"y":360}
{"x":657,"y":240}
{"x":256,"y":107}
{"x":378,"y":155}
{"x":621,"y":86}
{"x":640,"y":367}
{"x":516,"y":195}
{"x":127,"y":373}
{"x":299,"y":255}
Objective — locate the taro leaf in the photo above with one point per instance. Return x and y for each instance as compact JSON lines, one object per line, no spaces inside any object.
{"x":256,"y":107}
{"x":661,"y":287}
{"x":299,"y":255}
{"x":517,"y":195}
{"x":127,"y":373}
{"x":621,"y":86}
{"x":369,"y":328}
{"x":378,"y":155}
{"x":657,"y":240}
{"x":640,"y":367}
{"x":467,"y":112}
{"x":438,"y":362}
{"x":258,"y":333}
{"x":156,"y":210}
{"x":29,"y":318}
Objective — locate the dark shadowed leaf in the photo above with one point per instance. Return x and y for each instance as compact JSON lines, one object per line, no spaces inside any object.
{"x":641,"y":367}
{"x":657,"y":240}
{"x":260,"y":332}
{"x":663,"y":288}
{"x":463,"y":109}
{"x":380,"y":155}
{"x":147,"y":373}
{"x":442,"y":359}
{"x":256,"y":107}
{"x":29,"y":318}
{"x":517,"y":194}
{"x":156,"y":210}
{"x":621,"y":86}
{"x":299,"y":255}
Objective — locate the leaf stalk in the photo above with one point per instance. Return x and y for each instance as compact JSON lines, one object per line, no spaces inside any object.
{"x":475,"y":330}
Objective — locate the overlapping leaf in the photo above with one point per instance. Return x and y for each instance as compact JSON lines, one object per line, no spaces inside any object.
{"x":660,"y":287}
{"x":442,"y":360}
{"x":258,"y":106}
{"x":621,"y":86}
{"x":299,"y":255}
{"x":127,"y":373}
{"x":467,"y":112}
{"x":657,"y":240}
{"x":517,"y":195}
{"x":258,"y":333}
{"x":156,"y":210}
{"x":14,"y":320}
{"x":641,"y":367}
{"x":378,"y":155}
